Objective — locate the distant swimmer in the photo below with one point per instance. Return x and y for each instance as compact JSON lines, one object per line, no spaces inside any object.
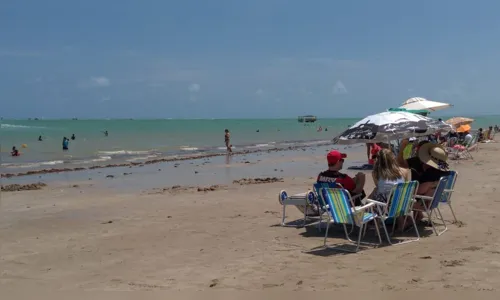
{"x":15,"y":152}
{"x":40,"y":138}
{"x":320,"y":129}
{"x":257,"y":130}
{"x":73,"y":137}
{"x":227,"y":141}
{"x":326,"y":129}
{"x":106,"y":133}
{"x":65,"y":143}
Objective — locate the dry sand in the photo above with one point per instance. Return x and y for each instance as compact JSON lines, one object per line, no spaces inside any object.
{"x":85,"y":238}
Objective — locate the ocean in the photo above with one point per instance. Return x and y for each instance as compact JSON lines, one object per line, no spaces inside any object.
{"x":142,"y":140}
{"x":139,"y":140}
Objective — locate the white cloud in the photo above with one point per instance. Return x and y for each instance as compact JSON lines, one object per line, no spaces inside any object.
{"x":339,"y":88}
{"x":100,"y":81}
{"x":194,"y":87}
{"x":95,"y":82}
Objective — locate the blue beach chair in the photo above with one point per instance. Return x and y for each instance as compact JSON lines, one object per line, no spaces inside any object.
{"x":400,"y":203}
{"x":341,"y":210}
{"x":433,"y":206}
{"x":448,"y":191}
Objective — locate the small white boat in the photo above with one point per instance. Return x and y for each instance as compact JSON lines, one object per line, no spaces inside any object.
{"x":307,"y":119}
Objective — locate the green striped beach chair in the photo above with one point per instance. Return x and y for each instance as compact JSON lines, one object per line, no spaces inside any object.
{"x":341,"y":210}
{"x":322,"y":204}
{"x":399,"y":204}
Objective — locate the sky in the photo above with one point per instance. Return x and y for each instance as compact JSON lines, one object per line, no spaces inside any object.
{"x":245,"y":58}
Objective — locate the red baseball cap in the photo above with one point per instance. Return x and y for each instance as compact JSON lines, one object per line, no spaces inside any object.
{"x":334,"y":156}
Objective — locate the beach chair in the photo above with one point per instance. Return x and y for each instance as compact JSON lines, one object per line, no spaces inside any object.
{"x":341,"y":210}
{"x":303,"y":201}
{"x":452,"y":152}
{"x":400,"y":204}
{"x":465,"y":152}
{"x":433,"y":206}
{"x":448,"y":191}
{"x":322,"y":204}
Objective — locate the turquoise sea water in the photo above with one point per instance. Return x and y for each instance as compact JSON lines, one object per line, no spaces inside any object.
{"x":134,"y":140}
{"x":139,"y":140}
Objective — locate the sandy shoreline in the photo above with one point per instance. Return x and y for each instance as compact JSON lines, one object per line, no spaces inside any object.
{"x":97,"y":237}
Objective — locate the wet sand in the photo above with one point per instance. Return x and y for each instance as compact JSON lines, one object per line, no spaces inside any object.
{"x":100,"y":235}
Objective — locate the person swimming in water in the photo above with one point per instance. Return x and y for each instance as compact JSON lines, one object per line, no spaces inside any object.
{"x":227,"y":141}
{"x":40,"y":138}
{"x":14,"y":152}
{"x":65,"y":144}
{"x":73,"y":137}
{"x":105,"y":133}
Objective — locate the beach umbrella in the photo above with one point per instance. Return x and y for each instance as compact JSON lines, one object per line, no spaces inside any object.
{"x":464,"y":128}
{"x":458,"y":121}
{"x":422,"y":103}
{"x":422,"y":112}
{"x":389,"y":125}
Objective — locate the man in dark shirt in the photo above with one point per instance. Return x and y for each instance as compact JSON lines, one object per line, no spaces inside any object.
{"x":332,"y":175}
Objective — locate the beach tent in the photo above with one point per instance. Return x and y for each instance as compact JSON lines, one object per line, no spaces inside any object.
{"x":422,"y":103}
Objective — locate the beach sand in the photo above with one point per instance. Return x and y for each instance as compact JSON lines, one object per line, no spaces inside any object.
{"x":98,"y":237}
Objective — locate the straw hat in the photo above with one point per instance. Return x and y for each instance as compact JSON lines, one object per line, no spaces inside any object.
{"x":433,"y":155}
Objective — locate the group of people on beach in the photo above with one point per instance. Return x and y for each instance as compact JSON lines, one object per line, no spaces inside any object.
{"x":427,"y":164}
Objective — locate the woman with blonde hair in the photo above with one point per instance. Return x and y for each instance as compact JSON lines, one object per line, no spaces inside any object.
{"x":387,"y":172}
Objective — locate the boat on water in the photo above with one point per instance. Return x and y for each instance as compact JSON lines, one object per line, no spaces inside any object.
{"x":307,"y":119}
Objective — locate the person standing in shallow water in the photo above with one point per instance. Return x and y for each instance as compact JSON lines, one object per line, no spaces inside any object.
{"x":227,"y":141}
{"x":65,"y":143}
{"x":73,"y":137}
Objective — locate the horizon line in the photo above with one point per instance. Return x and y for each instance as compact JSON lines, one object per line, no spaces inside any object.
{"x":190,"y":119}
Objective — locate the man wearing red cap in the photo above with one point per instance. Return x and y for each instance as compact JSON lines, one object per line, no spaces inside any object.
{"x":332,"y":175}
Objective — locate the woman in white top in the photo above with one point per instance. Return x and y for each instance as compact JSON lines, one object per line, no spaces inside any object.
{"x":386,"y":172}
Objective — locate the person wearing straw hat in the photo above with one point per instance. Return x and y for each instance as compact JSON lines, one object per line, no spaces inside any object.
{"x":434,"y":164}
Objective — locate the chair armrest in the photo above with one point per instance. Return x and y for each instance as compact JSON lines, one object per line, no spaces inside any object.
{"x":364,"y":207}
{"x":423,"y":197}
{"x":376,"y":202}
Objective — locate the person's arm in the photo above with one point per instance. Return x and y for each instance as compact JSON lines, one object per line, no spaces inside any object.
{"x":368,"y":151}
{"x":406,"y":174}
{"x":359,"y":180}
{"x":400,"y":159}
